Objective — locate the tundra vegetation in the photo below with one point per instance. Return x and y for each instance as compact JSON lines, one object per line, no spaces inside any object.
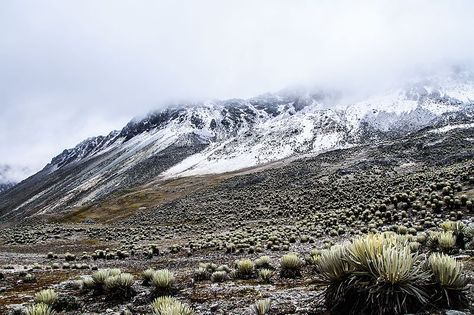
{"x":366,"y":230}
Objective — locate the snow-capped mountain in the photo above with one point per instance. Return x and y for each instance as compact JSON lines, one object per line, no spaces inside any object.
{"x":223,"y":136}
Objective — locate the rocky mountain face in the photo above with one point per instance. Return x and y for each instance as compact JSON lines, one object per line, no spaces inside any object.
{"x":6,"y":186}
{"x":224,"y":136}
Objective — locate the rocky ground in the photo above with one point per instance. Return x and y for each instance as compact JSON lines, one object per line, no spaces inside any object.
{"x":409,"y":186}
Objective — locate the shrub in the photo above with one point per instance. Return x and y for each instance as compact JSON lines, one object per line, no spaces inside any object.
{"x":88,"y":283}
{"x":332,"y":265}
{"x":399,"y":282}
{"x":66,"y":304}
{"x":120,"y":285}
{"x":374,"y":274}
{"x":224,"y":268}
{"x":290,"y":266}
{"x":450,"y":282}
{"x":170,"y":306}
{"x":101,"y":275}
{"x":262,"y":307}
{"x":40,"y":309}
{"x":446,"y":241}
{"x":219,"y":276}
{"x":265,"y":275}
{"x":48,"y":297}
{"x":162,"y":280}
{"x":453,"y":226}
{"x":29,"y":278}
{"x":147,"y":275}
{"x":245,"y":269}
{"x":263,"y":262}
{"x":313,"y":256}
{"x":201,"y":274}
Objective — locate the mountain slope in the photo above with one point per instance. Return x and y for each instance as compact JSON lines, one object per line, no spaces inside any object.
{"x":222,"y":136}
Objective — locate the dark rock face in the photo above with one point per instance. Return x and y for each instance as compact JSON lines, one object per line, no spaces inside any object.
{"x":5,"y":187}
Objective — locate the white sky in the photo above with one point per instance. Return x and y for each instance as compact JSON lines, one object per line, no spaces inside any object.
{"x":74,"y":69}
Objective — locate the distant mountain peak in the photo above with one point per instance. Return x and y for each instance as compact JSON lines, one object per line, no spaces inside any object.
{"x":223,"y":136}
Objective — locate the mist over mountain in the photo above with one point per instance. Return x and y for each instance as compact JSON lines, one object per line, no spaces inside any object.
{"x":237,"y":157}
{"x":220,"y":136}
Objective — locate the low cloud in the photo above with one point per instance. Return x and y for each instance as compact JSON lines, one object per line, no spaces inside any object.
{"x":73,"y":69}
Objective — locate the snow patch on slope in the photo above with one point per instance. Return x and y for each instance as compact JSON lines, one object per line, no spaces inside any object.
{"x":452,"y":127}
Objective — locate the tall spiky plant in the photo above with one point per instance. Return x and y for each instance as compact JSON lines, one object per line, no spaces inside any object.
{"x":166,"y":305}
{"x":450,"y":282}
{"x":374,"y":274}
{"x":262,"y":307}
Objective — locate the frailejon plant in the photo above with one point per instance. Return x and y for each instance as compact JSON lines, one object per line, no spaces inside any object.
{"x":120,"y":285}
{"x":162,"y":281}
{"x":374,"y":274}
{"x":245,"y":269}
{"x":290,"y":266}
{"x":166,"y":305}
{"x":147,"y":275}
{"x":262,"y":307}
{"x":48,"y":297}
{"x":449,"y":280}
{"x":446,"y":241}
{"x":265,"y":275}
{"x":40,"y":309}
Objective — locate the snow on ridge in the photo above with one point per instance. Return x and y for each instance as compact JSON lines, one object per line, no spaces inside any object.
{"x":272,"y":127}
{"x":451,"y":127}
{"x":293,"y":133}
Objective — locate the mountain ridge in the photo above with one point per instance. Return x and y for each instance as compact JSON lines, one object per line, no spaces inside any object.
{"x":225,"y":136}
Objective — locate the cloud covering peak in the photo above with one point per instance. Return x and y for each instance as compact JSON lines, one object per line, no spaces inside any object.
{"x":73,"y":69}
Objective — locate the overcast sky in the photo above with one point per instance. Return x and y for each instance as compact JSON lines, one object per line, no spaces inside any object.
{"x":75,"y":69}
